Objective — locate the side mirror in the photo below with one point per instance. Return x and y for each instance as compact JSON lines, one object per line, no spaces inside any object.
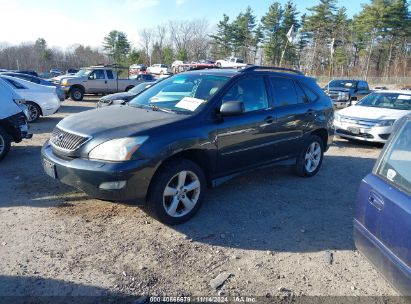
{"x":118,"y":102}
{"x":232,"y":108}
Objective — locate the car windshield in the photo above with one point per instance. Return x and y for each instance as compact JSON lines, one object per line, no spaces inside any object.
{"x":83,"y":73}
{"x":185,"y":93}
{"x":396,"y":162}
{"x":342,"y":84}
{"x":396,"y":101}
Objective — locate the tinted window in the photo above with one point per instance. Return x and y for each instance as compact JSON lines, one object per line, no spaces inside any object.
{"x":110,"y":74}
{"x":284,"y":92}
{"x":396,"y":163}
{"x":147,"y":77}
{"x":97,"y":74}
{"x":251,"y":91}
{"x":15,"y":84}
{"x":362,"y":85}
{"x":309,"y":93}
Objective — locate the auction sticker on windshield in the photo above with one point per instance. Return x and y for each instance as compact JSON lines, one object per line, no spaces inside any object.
{"x":190,"y":103}
{"x":404,"y":97}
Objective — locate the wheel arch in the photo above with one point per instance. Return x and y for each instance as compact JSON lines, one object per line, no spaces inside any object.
{"x":78,"y":86}
{"x":129,"y":88}
{"x":323,"y":134}
{"x":197,"y":156}
{"x":35,"y":103}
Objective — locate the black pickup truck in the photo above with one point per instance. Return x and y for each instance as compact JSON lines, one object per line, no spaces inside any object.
{"x":346,"y":92}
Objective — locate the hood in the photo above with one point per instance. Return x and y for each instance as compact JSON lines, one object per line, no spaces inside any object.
{"x":372,"y":113}
{"x":118,"y":96}
{"x":60,"y":78}
{"x":116,"y":121}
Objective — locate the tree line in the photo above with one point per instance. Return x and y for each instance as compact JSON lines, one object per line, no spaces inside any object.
{"x":322,"y":41}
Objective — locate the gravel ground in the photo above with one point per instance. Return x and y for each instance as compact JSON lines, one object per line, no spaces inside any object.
{"x":273,"y":233}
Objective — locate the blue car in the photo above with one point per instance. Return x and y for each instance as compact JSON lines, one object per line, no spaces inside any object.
{"x":382,"y":222}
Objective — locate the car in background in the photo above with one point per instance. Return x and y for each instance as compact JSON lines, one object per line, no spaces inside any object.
{"x":143,"y":77}
{"x":136,"y":69}
{"x":55,"y":72}
{"x":190,"y":131}
{"x":40,"y":100}
{"x":28,"y":72}
{"x":38,"y":80}
{"x":231,"y":62}
{"x":345,"y":93}
{"x":72,"y":71}
{"x":158,"y":69}
{"x":373,"y":117}
{"x":379,"y":88}
{"x":96,"y":80}
{"x":382,"y":220}
{"x":13,"y":119}
{"x":123,"y":98}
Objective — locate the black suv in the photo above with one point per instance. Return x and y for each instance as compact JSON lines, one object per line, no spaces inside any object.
{"x":192,"y":131}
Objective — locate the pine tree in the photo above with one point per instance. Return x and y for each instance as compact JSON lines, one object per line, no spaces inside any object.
{"x":271,"y":23}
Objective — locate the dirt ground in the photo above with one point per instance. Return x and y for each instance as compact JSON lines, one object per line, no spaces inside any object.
{"x":272,"y":231}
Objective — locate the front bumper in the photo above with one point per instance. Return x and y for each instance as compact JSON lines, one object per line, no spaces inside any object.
{"x":340,"y":104}
{"x":373,"y":134}
{"x":88,"y":175}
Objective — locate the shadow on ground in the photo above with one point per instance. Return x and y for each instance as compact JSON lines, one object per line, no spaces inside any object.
{"x":19,"y":289}
{"x":275,"y":210}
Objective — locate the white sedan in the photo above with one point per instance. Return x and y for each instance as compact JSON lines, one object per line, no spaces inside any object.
{"x":372,"y":118}
{"x":41,"y":100}
{"x":159,"y":69}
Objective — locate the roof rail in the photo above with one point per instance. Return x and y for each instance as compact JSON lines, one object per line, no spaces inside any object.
{"x":258,"y":67}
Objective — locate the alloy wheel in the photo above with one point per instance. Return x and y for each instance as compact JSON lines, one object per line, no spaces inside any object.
{"x":33,"y":112}
{"x":313,"y":157}
{"x":2,"y":145}
{"x":181,"y":193}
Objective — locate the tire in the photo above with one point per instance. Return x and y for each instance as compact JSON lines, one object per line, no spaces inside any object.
{"x":5,"y":143}
{"x":77,"y":94}
{"x":219,"y":65}
{"x":310,"y":167}
{"x":161,"y":73}
{"x":129,"y":88}
{"x":34,"y":111}
{"x":169,"y":208}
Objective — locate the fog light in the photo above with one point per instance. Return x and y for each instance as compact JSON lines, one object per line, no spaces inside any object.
{"x":113,"y":185}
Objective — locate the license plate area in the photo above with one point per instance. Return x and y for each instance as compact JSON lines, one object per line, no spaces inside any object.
{"x":353,"y":130}
{"x":49,"y":168}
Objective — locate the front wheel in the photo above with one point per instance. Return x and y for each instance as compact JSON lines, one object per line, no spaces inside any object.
{"x":76,"y":94}
{"x":4,"y":143}
{"x":310,"y":159}
{"x":177,"y":192}
{"x":219,"y":65}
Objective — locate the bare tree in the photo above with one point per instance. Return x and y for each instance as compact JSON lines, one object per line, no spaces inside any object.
{"x":146,"y":42}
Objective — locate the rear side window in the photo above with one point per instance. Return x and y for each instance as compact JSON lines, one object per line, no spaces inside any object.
{"x":395,"y":165}
{"x":15,"y":84}
{"x":284,"y":91}
{"x":311,"y":96}
{"x":110,"y":74}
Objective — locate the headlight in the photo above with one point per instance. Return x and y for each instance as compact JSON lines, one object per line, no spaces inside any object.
{"x":343,"y":96}
{"x":117,"y":149}
{"x":385,"y":123}
{"x":337,"y":117}
{"x":64,"y":82}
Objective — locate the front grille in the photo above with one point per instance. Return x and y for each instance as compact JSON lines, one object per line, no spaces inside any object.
{"x":345,"y":132}
{"x":358,"y":122}
{"x":66,"y":141}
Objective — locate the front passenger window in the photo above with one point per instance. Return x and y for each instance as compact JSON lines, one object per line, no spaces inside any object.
{"x":250,"y":91}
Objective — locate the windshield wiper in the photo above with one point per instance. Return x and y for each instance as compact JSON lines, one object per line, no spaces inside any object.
{"x":157,"y":108}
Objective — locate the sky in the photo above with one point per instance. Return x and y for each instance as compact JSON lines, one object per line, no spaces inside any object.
{"x":64,"y":23}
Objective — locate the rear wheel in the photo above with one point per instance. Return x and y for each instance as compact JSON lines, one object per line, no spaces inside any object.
{"x":219,"y":64}
{"x":34,"y":111}
{"x":310,"y":159}
{"x":129,"y":88}
{"x":4,"y":143}
{"x":177,"y":192}
{"x":77,"y":94}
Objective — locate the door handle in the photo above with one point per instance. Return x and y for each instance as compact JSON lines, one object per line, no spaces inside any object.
{"x":311,"y":113}
{"x":105,"y":82}
{"x":376,"y":200}
{"x":269,"y":120}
